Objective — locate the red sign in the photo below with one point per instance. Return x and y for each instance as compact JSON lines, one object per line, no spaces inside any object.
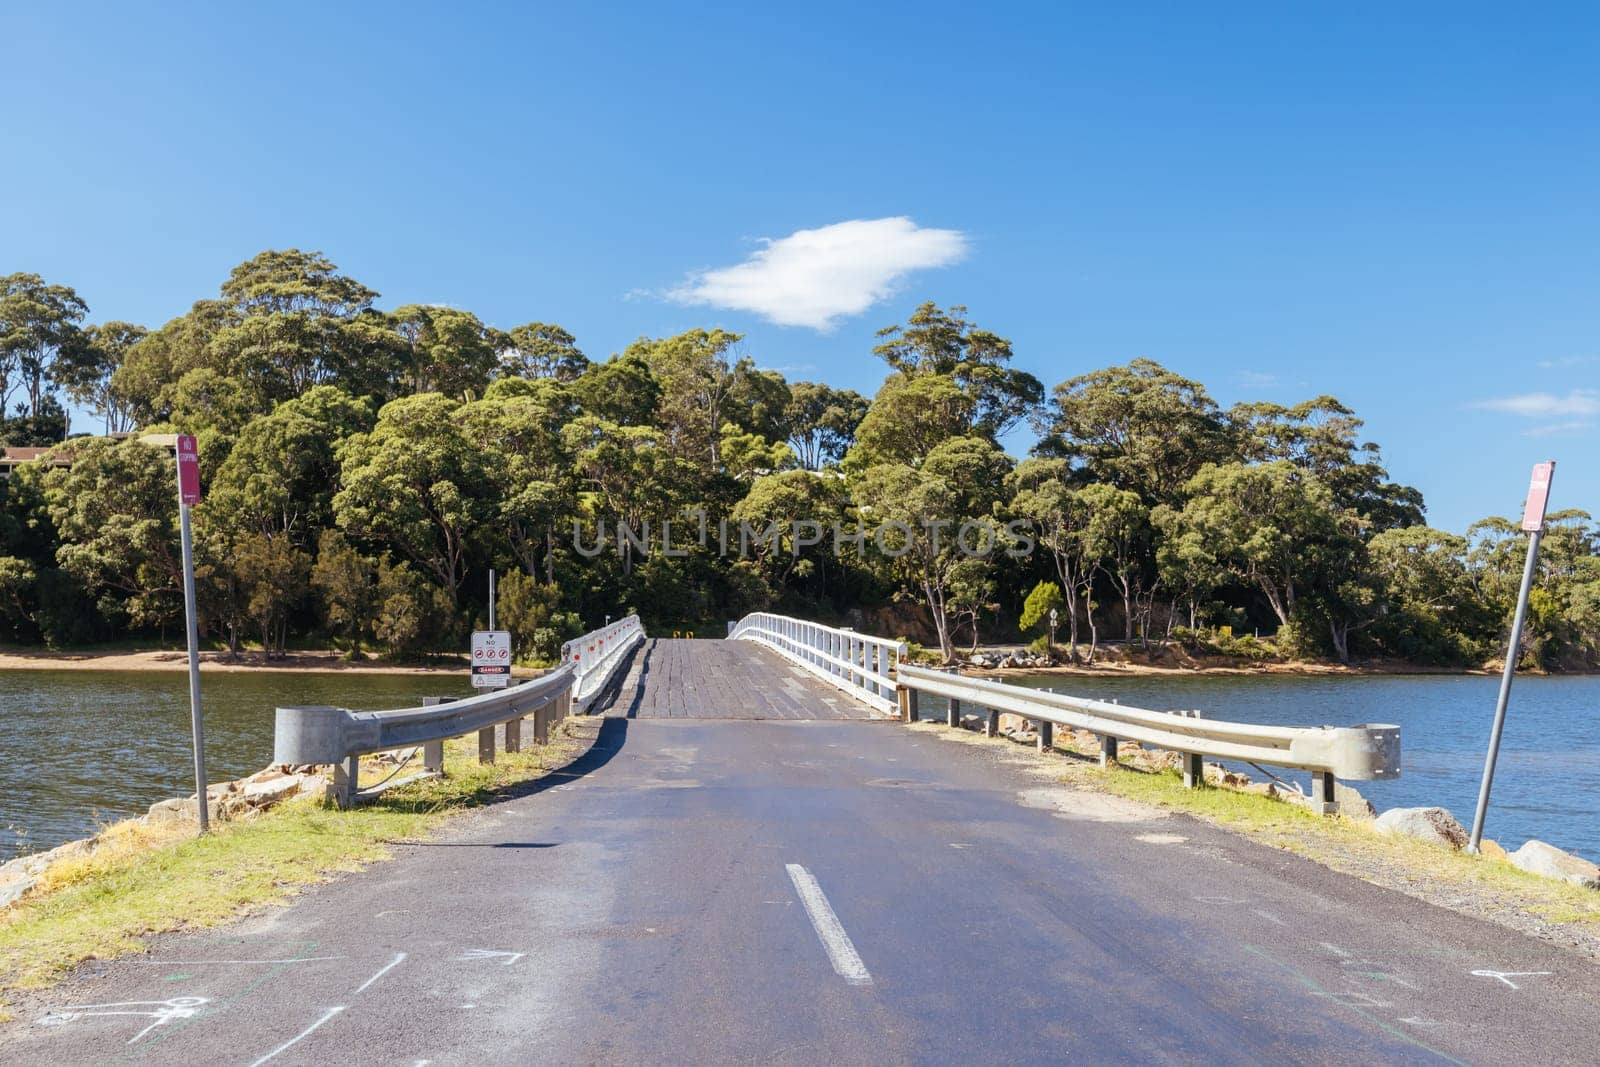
{"x":1538,"y":496}
{"x":188,"y":470}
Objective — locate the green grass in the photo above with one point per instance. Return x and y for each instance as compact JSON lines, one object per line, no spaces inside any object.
{"x":151,"y":881}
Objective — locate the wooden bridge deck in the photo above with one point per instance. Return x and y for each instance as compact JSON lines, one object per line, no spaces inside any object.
{"x":716,"y":679}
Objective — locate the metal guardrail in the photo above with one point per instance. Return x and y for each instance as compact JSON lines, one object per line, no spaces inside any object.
{"x":859,"y":664}
{"x":323,"y":735}
{"x":1360,"y":753}
{"x":595,"y":655}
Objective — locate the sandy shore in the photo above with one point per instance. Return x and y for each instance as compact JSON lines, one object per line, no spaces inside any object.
{"x":217,"y":662}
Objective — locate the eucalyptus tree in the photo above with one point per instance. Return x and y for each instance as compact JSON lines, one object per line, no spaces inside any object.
{"x":820,"y":422}
{"x":943,"y":343}
{"x":934,"y":527}
{"x":1046,"y":493}
{"x":115,"y":512}
{"x":542,"y":350}
{"x":447,"y":350}
{"x":418,"y":485}
{"x":1138,"y":427}
{"x":38,"y":321}
{"x":518,"y":425}
{"x":85,"y":371}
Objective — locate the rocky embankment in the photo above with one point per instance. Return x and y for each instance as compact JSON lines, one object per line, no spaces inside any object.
{"x":243,"y":798}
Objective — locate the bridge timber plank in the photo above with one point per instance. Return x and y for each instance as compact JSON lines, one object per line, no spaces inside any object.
{"x":701,"y":678}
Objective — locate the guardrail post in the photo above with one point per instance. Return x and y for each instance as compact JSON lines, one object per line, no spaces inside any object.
{"x":991,"y":723}
{"x":1108,"y":750}
{"x":541,"y":726}
{"x":1322,"y":793}
{"x":908,"y":704}
{"x":1047,"y":735}
{"x":346,"y":779}
{"x":952,"y":715}
{"x":486,"y":745}
{"x":1194,"y":770}
{"x":433,"y":751}
{"x":513,"y":735}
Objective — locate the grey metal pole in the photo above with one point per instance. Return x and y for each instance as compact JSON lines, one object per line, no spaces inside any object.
{"x":1505,"y":691}
{"x":196,"y":723}
{"x":491,"y":598}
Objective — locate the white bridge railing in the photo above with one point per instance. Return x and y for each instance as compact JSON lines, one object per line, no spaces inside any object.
{"x":595,"y":655}
{"x":339,"y":737}
{"x":1353,"y":752}
{"x":860,"y":665}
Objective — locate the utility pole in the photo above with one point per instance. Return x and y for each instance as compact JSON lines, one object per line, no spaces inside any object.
{"x":189,"y":494}
{"x":1533,"y":523}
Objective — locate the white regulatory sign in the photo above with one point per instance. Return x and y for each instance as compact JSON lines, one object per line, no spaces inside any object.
{"x":491,"y":659}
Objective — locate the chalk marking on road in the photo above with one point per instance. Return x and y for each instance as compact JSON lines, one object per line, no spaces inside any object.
{"x":399,"y":957}
{"x":164,"y":1012}
{"x":1412,"y":1020}
{"x":1506,"y":976}
{"x":1384,"y":976}
{"x":239,"y":963}
{"x":835,"y":942}
{"x":1219,"y":900}
{"x":960,"y":844}
{"x":1267,"y":915}
{"x":1335,"y":949}
{"x":506,"y":958}
{"x":301,"y":1036}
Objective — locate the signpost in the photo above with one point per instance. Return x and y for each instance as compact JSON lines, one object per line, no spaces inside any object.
{"x":491,"y":659}
{"x":189,"y":495}
{"x":1533,"y":523}
{"x":1050,"y":647}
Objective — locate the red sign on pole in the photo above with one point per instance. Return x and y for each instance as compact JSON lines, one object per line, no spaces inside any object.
{"x":188,"y":470}
{"x":1538,"y":496}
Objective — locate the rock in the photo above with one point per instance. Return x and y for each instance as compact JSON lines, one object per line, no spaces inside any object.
{"x":273,"y":791}
{"x":183,"y":809}
{"x":1536,"y":857}
{"x":1352,"y":805}
{"x":1010,"y":723}
{"x":11,"y":890}
{"x":1434,"y":825}
{"x":1492,"y":849}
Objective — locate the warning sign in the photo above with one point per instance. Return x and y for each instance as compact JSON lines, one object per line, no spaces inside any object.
{"x":491,"y":659}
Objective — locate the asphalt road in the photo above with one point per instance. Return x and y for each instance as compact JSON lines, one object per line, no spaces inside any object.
{"x":838,"y":892}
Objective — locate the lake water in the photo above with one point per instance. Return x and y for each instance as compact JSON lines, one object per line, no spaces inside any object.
{"x":1546,"y":783}
{"x":81,"y":748}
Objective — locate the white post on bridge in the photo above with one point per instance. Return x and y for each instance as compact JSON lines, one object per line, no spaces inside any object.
{"x":1533,"y":522}
{"x":189,"y":494}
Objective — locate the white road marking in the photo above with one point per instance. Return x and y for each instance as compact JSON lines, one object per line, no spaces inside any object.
{"x":506,"y":958}
{"x":841,"y":951}
{"x":399,"y":957}
{"x":301,"y":1036}
{"x":164,"y":1011}
{"x":1506,"y":976}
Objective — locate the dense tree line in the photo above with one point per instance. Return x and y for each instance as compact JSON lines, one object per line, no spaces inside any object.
{"x":364,"y":468}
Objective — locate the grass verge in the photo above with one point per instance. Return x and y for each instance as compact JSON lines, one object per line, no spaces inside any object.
{"x":153,"y":880}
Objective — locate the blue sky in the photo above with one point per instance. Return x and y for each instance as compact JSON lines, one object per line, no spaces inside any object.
{"x":1395,"y":204}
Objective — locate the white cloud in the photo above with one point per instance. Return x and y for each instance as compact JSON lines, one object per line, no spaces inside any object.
{"x":817,"y":277}
{"x":1571,"y":428}
{"x":1566,"y":362}
{"x":1576,"y":403}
